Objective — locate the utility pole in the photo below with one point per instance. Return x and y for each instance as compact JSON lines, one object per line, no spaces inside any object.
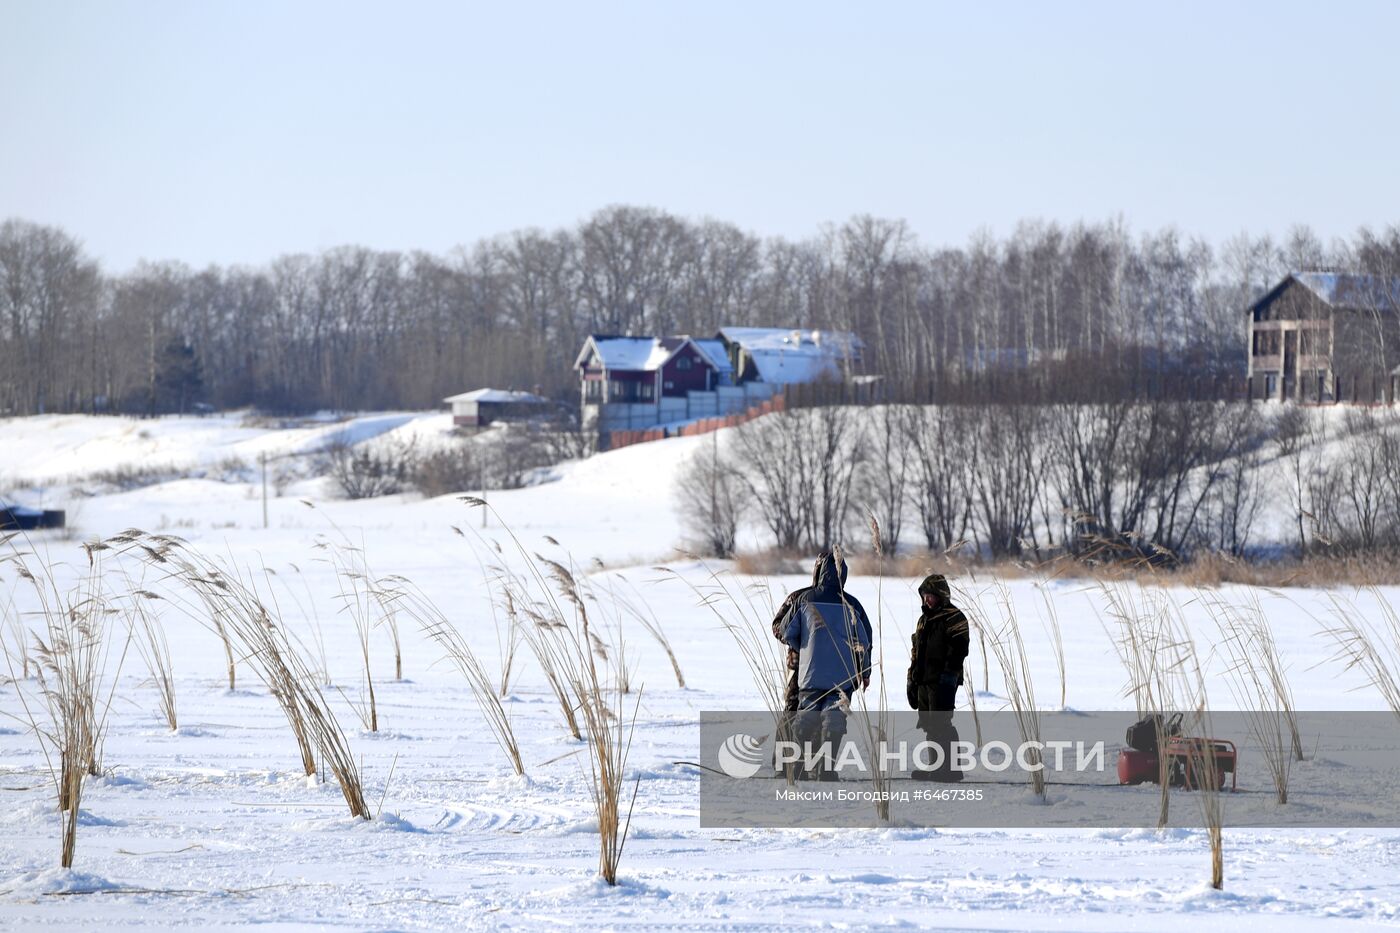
{"x":262,"y":459}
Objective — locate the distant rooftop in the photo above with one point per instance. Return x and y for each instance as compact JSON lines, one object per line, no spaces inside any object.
{"x":496,"y":395}
{"x":716,"y":352}
{"x":1346,"y":290}
{"x":634,"y":354}
{"x":784,"y":355}
{"x":779,"y":354}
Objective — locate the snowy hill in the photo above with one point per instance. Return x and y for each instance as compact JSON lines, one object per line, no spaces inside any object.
{"x":218,"y":811}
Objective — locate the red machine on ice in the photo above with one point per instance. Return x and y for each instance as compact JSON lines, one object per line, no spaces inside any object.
{"x":1187,"y":757}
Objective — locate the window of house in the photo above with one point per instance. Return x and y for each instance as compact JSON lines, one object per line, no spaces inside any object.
{"x":592,"y":390}
{"x":1271,"y":385}
{"x":646,"y":391}
{"x":684,"y":363}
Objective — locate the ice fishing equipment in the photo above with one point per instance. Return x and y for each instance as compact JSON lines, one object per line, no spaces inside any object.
{"x":1186,"y":757}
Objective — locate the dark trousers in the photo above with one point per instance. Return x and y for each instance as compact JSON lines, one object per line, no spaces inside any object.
{"x":936,"y":720}
{"x":820,"y":724}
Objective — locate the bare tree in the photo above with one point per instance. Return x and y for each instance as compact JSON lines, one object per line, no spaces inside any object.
{"x":943,"y":461}
{"x":884,"y":476}
{"x":710,"y":497}
{"x":1007,"y":483}
{"x":799,"y":468}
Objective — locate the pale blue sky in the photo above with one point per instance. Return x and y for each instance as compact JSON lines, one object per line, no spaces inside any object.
{"x":231,"y":132}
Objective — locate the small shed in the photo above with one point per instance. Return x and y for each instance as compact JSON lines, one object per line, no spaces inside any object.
{"x":19,"y":518}
{"x":478,"y":408}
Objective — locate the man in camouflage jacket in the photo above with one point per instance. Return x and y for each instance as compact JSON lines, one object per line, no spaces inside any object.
{"x":936,"y":657}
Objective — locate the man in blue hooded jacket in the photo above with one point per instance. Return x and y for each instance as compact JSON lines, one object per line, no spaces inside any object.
{"x":830,"y":634}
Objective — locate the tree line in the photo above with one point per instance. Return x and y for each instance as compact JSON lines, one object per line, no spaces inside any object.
{"x":1154,"y":480}
{"x":352,"y":328}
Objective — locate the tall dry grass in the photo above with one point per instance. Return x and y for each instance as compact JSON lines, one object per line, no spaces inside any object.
{"x":1142,"y":641}
{"x":745,"y":614}
{"x":1258,"y":679}
{"x":1166,"y":674}
{"x":541,"y":630}
{"x":610,"y":743}
{"x":1371,"y":650}
{"x":1206,"y":569}
{"x":355,"y":592}
{"x":14,"y":634}
{"x":75,"y":676}
{"x":632,"y":605}
{"x":609,"y":646}
{"x":1189,"y":672}
{"x":1051,"y":621}
{"x":405,"y":597}
{"x":1004,"y":641}
{"x":529,"y":617}
{"x":508,"y":635}
{"x":309,"y":609}
{"x":148,"y":633}
{"x":264,"y":643}
{"x":567,"y":639}
{"x":876,"y":722}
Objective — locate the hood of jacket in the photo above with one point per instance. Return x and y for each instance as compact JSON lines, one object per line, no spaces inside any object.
{"x":828,"y":574}
{"x":937,"y":585}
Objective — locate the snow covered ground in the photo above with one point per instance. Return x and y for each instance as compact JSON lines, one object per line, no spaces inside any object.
{"x":215,"y":826}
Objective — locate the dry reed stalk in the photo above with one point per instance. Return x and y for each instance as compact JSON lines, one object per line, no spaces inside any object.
{"x":507,"y":638}
{"x":1051,"y":621}
{"x":355,"y":592}
{"x":73,"y":661}
{"x":610,"y":743}
{"x":543,"y":616}
{"x":405,"y":597}
{"x":1259,"y":681}
{"x":1147,"y":649}
{"x":309,"y":610}
{"x":1009,"y":649}
{"x":1372,"y":651}
{"x":507,"y":644}
{"x":149,"y":635}
{"x":750,"y":628}
{"x":265,"y":644}
{"x":573,"y":649}
{"x":738,"y":614}
{"x":352,"y":566}
{"x":877,"y":729}
{"x":538,"y":627}
{"x":1188,"y":671}
{"x":11,"y":622}
{"x":972,"y":707}
{"x":608,"y":651}
{"x":1161,"y":654}
{"x":635,"y":606}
